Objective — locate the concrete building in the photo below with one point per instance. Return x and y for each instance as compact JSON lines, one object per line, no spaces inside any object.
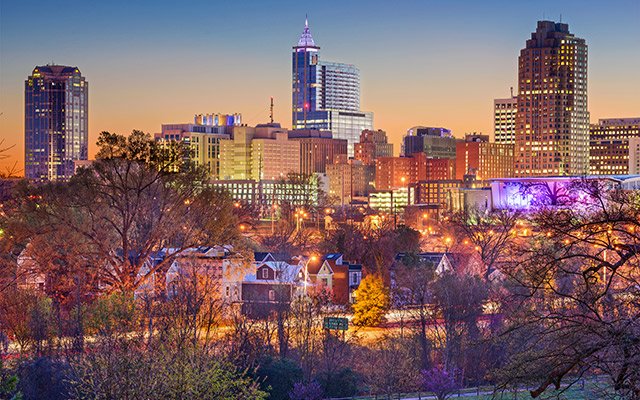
{"x":372,"y":144}
{"x":261,"y":152}
{"x":434,"y":142}
{"x":477,"y":156}
{"x":317,"y":149}
{"x":204,"y":137}
{"x":552,"y":121}
{"x":326,"y":95}
{"x":610,"y":151}
{"x":504,"y":120}
{"x":349,"y":179}
{"x":56,"y":132}
{"x":401,"y":171}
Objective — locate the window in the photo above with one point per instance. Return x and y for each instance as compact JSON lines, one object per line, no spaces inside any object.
{"x":272,"y":295}
{"x":265,"y":273}
{"x":228,"y":291}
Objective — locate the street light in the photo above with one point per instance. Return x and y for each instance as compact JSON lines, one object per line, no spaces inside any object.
{"x":306,"y":273}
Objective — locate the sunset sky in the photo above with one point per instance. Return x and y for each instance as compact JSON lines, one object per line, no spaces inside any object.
{"x":434,"y":63}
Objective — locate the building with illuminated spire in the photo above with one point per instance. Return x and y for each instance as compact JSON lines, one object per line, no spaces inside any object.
{"x":326,"y":95}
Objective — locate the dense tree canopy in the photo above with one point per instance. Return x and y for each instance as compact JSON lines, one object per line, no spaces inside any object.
{"x":125,"y":217}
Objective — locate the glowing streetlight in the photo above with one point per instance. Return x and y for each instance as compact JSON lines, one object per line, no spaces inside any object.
{"x":306,"y":273}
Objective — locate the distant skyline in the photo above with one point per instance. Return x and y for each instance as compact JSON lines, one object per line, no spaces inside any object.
{"x":429,"y":63}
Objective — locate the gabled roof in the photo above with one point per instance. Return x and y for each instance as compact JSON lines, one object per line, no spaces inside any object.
{"x":261,"y":256}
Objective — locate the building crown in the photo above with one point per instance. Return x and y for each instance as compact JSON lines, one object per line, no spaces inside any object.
{"x":306,"y":40}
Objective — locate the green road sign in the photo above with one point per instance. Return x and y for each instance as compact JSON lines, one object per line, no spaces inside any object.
{"x":336,"y":323}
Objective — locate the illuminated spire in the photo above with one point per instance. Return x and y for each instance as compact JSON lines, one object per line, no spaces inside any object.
{"x":306,"y":40}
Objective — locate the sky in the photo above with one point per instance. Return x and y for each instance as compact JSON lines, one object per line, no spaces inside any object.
{"x":422,"y":62}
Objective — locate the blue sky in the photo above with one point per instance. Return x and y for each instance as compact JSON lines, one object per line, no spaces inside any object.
{"x":437,"y":63}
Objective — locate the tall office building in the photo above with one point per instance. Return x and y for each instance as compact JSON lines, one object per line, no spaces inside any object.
{"x":326,"y":95}
{"x":504,"y":120}
{"x":55,"y":126}
{"x":552,"y":121}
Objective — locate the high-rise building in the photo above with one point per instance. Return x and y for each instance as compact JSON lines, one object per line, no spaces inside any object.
{"x":611,"y":151}
{"x":552,"y":121}
{"x":373,"y":144}
{"x":55,"y":126}
{"x":434,"y":142}
{"x":326,"y":95}
{"x":477,"y":156}
{"x":504,"y":120}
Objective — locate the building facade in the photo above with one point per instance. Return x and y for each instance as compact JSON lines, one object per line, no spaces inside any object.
{"x":477,"y":156}
{"x":372,"y":144}
{"x":326,"y":95}
{"x":203,"y":136}
{"x":260,"y":152}
{"x":610,"y":146}
{"x":349,"y":179}
{"x":552,"y":121}
{"x":56,"y":122}
{"x":434,"y":142}
{"x":317,"y":149}
{"x":504,"y":120}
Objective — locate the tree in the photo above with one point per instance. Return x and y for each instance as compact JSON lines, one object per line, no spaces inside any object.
{"x":412,"y":286}
{"x":573,"y":293}
{"x":440,"y":382}
{"x":372,"y":302}
{"x":490,"y":232}
{"x":310,"y":391}
{"x":278,"y":377}
{"x":131,"y":213}
{"x":456,"y":309}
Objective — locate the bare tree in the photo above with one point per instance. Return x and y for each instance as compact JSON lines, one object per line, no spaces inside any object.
{"x":492,"y":233}
{"x":575,"y":292}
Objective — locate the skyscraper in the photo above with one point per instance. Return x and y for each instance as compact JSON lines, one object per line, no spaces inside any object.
{"x":552,"y":121}
{"x":326,"y":95}
{"x":55,"y":126}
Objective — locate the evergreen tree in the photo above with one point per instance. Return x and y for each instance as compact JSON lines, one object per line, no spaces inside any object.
{"x":372,"y":302}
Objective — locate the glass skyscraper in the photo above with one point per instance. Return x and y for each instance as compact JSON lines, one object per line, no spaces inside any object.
{"x":55,"y":126}
{"x":326,"y":95}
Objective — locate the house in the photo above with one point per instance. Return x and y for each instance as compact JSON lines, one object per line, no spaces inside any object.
{"x":272,"y":279}
{"x":202,"y":266}
{"x":337,"y":275}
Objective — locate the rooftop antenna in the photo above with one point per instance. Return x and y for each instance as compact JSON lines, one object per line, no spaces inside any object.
{"x":560,"y":17}
{"x":271,"y":110}
{"x":511,"y":91}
